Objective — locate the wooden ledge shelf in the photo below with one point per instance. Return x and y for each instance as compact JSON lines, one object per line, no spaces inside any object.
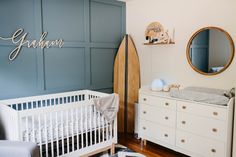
{"x":159,"y":43}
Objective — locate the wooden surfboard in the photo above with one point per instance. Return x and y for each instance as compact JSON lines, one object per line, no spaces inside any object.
{"x":127,"y":83}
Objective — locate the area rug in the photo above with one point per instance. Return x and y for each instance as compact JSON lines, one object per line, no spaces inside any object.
{"x":121,"y":151}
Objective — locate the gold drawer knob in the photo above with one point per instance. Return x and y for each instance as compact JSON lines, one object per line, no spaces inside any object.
{"x":166,"y":135}
{"x":183,"y":141}
{"x":144,"y":112}
{"x":214,"y":130}
{"x":166,"y":118}
{"x":144,"y":128}
{"x":183,"y":122}
{"x":144,"y":99}
{"x":215,"y":113}
{"x":213,"y":150}
{"x":184,"y":107}
{"x":167,"y":104}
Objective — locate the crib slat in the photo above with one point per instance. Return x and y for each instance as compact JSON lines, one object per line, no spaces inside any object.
{"x":72,"y":128}
{"x":46,"y":136}
{"x":110,"y":132}
{"x":81,"y":125}
{"x":103,"y":129}
{"x":90,"y":126}
{"x":17,"y":109}
{"x":95,"y":124}
{"x":77,"y":124}
{"x":40,"y":136}
{"x":57,"y":132}
{"x":62,"y":134}
{"x":33,"y":129}
{"x":27,"y":128}
{"x":67,"y":123}
{"x":26,"y":106}
{"x":52,"y":151}
{"x":99,"y":127}
{"x":86,"y":125}
{"x":107,"y":137}
{"x":113,"y":129}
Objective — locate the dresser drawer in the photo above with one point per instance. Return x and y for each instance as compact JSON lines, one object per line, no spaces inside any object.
{"x":158,"y":115}
{"x":200,"y":145}
{"x":202,"y":110}
{"x":157,"y":101}
{"x":157,"y":132}
{"x":210,"y":128}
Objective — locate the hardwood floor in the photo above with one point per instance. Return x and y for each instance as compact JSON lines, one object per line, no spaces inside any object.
{"x":151,"y":150}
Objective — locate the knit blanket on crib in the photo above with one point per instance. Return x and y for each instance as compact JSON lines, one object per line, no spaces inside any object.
{"x":108,"y":106}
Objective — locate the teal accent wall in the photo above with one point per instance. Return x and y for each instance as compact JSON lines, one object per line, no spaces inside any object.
{"x":92,"y":31}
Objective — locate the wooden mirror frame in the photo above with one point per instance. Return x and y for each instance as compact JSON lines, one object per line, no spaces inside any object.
{"x":231,"y":47}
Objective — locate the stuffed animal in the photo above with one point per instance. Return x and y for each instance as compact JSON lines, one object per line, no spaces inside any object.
{"x":174,"y":86}
{"x":153,"y":32}
{"x":164,"y":37}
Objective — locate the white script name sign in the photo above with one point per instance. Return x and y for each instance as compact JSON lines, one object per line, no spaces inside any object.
{"x":19,"y":39}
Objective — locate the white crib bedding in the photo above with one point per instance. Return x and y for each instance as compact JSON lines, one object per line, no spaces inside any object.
{"x":63,"y":128}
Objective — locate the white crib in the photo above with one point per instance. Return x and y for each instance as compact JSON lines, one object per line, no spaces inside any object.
{"x":63,"y":124}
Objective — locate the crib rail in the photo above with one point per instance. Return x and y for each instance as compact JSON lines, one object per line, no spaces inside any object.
{"x":28,"y":103}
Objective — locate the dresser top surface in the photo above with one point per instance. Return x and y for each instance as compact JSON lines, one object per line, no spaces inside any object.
{"x":147,"y":91}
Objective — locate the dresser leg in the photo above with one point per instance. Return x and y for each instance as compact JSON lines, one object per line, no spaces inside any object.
{"x":143,"y":143}
{"x":113,"y":149}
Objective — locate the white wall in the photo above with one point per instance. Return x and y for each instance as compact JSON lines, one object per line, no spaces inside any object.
{"x":186,"y":16}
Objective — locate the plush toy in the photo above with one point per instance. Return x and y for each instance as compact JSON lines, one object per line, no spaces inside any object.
{"x":164,"y":37}
{"x":153,"y":32}
{"x":174,"y":86}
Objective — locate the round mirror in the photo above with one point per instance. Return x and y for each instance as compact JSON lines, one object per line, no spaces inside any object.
{"x":210,"y":50}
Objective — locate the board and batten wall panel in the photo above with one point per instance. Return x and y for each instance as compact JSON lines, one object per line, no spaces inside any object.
{"x":98,"y":70}
{"x":105,"y":42}
{"x":20,"y":75}
{"x":67,"y":69}
{"x":103,"y":17}
{"x":91,"y":29}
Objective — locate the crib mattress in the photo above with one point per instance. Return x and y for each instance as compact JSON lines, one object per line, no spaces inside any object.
{"x":51,"y":130}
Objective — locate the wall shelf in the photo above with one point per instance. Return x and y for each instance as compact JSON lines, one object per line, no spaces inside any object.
{"x":159,"y":43}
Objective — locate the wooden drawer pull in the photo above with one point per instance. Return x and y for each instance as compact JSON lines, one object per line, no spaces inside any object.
{"x":183,"y":141}
{"x":184,"y":107}
{"x":183,"y":122}
{"x":144,"y":112}
{"x":144,"y":128}
{"x":166,"y":135}
{"x":215,"y":113}
{"x":213,"y":150}
{"x":166,"y":118}
{"x":167,"y":104}
{"x":144,"y":99}
{"x":214,"y":130}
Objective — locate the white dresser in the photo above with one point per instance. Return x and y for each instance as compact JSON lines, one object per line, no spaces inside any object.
{"x":192,"y":128}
